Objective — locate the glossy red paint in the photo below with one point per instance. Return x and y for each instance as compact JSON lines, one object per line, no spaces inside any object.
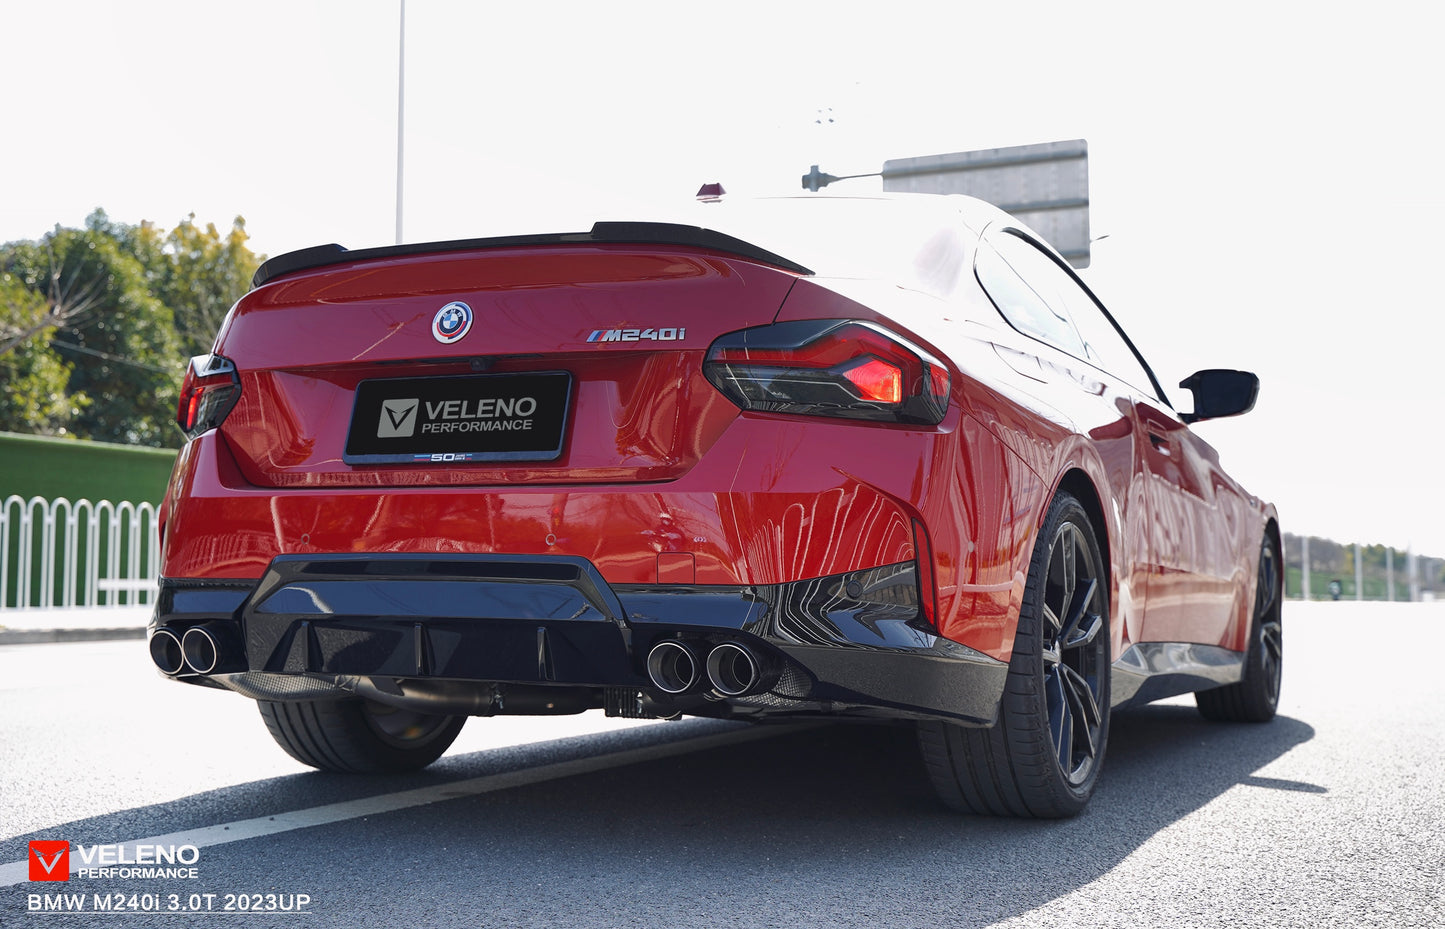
{"x":753,"y":512}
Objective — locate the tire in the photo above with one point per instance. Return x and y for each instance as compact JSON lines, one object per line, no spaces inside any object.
{"x":1255,"y":699}
{"x":1042,"y":758}
{"x":359,"y":736}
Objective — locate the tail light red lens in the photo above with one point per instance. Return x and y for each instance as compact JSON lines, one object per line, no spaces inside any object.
{"x":829,"y":367}
{"x":209,"y":391}
{"x":876,"y":380}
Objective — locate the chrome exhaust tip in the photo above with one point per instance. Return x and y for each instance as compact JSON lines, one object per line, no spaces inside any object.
{"x":204,"y":647}
{"x":167,"y":653}
{"x":672,"y":666}
{"x":732,"y":669}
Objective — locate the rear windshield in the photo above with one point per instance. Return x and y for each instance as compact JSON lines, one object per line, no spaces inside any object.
{"x":921,"y":244}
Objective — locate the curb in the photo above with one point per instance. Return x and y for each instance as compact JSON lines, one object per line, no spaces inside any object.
{"x":43,"y":636}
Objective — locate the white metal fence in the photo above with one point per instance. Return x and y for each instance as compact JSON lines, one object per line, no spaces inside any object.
{"x":55,"y":553}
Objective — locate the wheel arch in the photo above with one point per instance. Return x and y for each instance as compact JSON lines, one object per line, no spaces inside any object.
{"x":1242,"y":627}
{"x":1042,"y":756}
{"x":1271,"y":530}
{"x":1077,"y":482}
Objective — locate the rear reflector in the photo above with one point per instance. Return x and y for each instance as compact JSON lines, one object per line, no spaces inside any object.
{"x":927,"y":584}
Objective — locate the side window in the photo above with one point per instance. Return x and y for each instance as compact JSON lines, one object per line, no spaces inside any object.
{"x":1008,"y":269}
{"x":1105,"y":345}
{"x":1092,"y":335}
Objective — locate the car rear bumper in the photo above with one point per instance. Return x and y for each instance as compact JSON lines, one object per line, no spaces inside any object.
{"x":486,"y":634}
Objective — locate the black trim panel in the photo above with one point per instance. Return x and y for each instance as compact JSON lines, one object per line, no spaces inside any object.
{"x":1150,"y":671}
{"x":849,"y":644}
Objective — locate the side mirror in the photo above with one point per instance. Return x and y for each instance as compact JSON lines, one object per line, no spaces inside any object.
{"x":1219,"y":392}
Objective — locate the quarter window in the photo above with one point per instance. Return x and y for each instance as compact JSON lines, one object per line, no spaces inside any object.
{"x":1008,"y":268}
{"x":1070,"y":320}
{"x":1105,"y":345}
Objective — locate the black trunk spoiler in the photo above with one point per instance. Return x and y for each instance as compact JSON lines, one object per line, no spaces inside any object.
{"x":602,"y":234}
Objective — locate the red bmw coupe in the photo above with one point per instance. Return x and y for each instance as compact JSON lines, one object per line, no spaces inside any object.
{"x":814,"y":457}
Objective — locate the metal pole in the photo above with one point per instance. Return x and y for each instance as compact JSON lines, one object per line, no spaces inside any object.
{"x":1305,"y":568}
{"x":400,"y":112}
{"x":1413,"y":570}
{"x":1390,"y":573}
{"x":1359,"y":574}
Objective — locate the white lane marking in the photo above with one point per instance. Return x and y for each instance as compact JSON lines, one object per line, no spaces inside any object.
{"x":18,"y":872}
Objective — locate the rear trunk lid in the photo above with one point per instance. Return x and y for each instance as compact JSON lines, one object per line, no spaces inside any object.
{"x":562,"y":359}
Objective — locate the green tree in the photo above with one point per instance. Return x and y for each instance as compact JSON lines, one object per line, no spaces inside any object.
{"x":122,"y":350}
{"x":96,"y":324}
{"x":197,"y":272}
{"x":34,"y":396}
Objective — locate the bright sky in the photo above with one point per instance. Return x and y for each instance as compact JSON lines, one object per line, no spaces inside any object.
{"x":1267,"y":173}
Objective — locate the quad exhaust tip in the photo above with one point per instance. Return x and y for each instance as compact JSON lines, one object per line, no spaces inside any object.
{"x":201,"y":648}
{"x":732,"y":669}
{"x":167,"y":653}
{"x":204,"y":649}
{"x":672,"y":666}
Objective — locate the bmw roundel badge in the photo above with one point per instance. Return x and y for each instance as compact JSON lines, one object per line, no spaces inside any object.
{"x":451,"y":322}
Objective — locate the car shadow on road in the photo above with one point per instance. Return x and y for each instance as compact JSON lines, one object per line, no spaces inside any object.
{"x":796,"y":824}
{"x":790,"y":824}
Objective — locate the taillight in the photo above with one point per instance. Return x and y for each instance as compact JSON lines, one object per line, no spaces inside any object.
{"x":829,"y":367}
{"x":208,"y":393}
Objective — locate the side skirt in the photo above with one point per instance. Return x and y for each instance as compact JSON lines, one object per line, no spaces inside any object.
{"x":1150,"y":671}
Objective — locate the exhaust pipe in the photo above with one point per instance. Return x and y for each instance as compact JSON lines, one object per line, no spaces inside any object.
{"x":210,"y":647}
{"x":672,"y":666}
{"x":166,"y":652}
{"x":733,"y":670}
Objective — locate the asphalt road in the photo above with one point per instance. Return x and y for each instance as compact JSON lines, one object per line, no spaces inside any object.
{"x":1333,"y":815}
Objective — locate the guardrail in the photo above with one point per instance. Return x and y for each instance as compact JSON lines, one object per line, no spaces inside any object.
{"x":58,"y":553}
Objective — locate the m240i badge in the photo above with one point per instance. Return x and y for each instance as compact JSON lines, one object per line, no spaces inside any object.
{"x":637,"y":335}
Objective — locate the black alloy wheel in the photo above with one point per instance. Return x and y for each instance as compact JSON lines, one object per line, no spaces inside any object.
{"x":1267,"y":609}
{"x":1075,"y":654}
{"x":359,"y":736}
{"x":1042,"y":758}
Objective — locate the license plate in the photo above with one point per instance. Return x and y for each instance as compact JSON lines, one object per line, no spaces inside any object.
{"x":486,"y":417}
